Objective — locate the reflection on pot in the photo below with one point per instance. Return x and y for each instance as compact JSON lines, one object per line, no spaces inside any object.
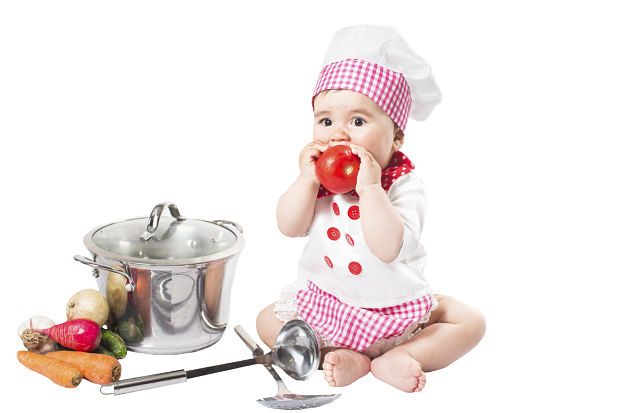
{"x":173,"y":299}
{"x":130,"y":327}
{"x":142,"y":296}
{"x":213,"y":293}
{"x":130,"y":312}
{"x":215,"y":286}
{"x":116,"y":295}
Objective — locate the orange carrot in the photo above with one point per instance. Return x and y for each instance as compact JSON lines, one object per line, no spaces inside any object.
{"x":96,"y":368}
{"x":57,"y":371}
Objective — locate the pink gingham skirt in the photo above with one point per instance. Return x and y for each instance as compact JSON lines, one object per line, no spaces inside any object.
{"x":356,"y":328}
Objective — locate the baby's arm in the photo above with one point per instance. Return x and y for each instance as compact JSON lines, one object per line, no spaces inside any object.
{"x":382,"y":226}
{"x":295,"y":209}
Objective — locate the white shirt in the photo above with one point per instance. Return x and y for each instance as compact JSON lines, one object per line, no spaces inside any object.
{"x":339,"y":262}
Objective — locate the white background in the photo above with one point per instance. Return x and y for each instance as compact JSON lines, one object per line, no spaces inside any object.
{"x":107,"y":108}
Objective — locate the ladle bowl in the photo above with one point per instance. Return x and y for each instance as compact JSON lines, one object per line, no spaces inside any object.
{"x":284,"y":399}
{"x":296,"y":350}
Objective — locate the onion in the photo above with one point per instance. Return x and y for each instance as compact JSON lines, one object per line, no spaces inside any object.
{"x":88,"y":304}
{"x":36,"y":342}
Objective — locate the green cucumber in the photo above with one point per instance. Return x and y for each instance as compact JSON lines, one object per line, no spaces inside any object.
{"x":113,"y":343}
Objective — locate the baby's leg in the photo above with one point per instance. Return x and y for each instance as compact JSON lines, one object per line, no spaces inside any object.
{"x":268,"y":325}
{"x":453,"y":329}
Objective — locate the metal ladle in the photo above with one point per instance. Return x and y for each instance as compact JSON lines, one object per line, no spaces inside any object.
{"x":296,"y":352}
{"x":284,"y":399}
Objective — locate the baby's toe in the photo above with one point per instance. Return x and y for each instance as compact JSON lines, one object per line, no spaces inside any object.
{"x":421,"y":383}
{"x":329,"y":378}
{"x":327,"y":366}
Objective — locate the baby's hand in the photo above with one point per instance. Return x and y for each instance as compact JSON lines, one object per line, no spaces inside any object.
{"x":307,"y":160}
{"x":370,"y":170}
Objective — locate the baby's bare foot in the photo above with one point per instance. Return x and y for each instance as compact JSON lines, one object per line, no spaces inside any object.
{"x":342,"y":367}
{"x":400,"y":370}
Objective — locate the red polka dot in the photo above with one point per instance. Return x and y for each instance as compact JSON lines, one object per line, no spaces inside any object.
{"x":355,"y":268}
{"x":354,"y":212}
{"x":335,"y":208}
{"x":349,"y":239}
{"x":329,"y":262}
{"x":333,"y":233}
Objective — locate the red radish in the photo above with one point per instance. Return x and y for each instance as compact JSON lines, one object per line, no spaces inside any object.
{"x":79,"y":334}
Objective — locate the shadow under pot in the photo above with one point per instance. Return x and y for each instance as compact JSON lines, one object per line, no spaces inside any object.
{"x":167,"y":279}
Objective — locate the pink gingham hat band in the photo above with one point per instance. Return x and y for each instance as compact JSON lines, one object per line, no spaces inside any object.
{"x":388,"y":89}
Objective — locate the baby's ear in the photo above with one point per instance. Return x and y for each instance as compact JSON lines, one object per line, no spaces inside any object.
{"x":399,"y":138}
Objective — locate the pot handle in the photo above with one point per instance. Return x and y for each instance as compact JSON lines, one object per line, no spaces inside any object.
{"x":156,"y":215}
{"x":130,"y":286}
{"x":228,"y":223}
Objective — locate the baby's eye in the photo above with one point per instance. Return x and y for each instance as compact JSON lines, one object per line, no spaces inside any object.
{"x":326,"y":122}
{"x":358,"y":121}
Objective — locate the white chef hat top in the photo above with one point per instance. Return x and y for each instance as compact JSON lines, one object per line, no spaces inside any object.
{"x":385,"y":47}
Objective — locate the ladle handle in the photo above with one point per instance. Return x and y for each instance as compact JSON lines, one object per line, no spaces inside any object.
{"x":144,"y":382}
{"x":249,"y":341}
{"x":173,"y":377}
{"x":226,"y":366}
{"x":257,"y":351}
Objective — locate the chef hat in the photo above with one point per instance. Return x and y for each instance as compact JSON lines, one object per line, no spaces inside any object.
{"x":377,"y":62}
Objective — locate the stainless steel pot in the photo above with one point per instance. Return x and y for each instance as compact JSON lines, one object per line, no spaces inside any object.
{"x":167,"y":279}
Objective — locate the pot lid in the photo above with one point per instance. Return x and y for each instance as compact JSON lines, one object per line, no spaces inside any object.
{"x":167,"y":240}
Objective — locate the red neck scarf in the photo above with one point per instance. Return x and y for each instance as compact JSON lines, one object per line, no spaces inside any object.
{"x":399,"y":165}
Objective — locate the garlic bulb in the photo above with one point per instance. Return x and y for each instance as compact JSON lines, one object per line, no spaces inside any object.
{"x":33,"y":341}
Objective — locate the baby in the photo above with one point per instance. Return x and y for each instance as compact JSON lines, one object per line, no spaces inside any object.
{"x":361,"y":284}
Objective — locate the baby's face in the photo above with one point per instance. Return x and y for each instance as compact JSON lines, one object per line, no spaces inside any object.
{"x":350,"y":117}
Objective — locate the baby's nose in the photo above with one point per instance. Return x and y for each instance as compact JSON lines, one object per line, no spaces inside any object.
{"x":339,"y":136}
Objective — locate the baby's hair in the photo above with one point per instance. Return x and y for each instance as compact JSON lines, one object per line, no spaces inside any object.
{"x":325,"y":92}
{"x":332,"y":90}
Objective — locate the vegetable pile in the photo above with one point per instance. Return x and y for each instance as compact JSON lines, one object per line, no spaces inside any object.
{"x":78,"y":348}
